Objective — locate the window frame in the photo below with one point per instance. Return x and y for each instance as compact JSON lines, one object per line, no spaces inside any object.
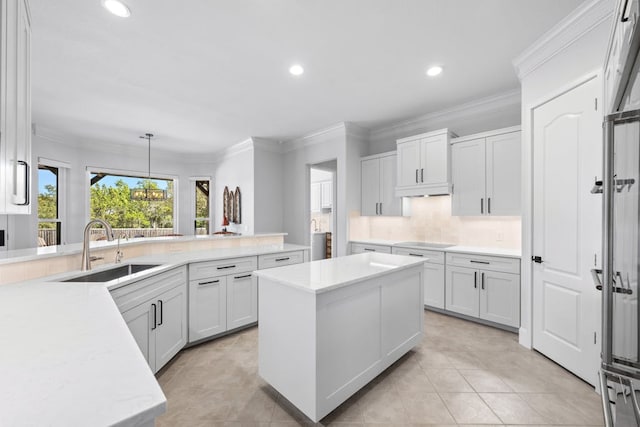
{"x":63,"y":169}
{"x":134,"y":174}
{"x":193,"y":189}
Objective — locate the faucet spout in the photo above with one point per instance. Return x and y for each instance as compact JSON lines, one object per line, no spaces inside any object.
{"x":86,"y":256}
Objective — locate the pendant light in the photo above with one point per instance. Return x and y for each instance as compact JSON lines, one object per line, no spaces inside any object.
{"x":148,"y":194}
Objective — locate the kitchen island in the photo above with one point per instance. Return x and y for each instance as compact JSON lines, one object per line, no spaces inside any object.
{"x":329,"y":327}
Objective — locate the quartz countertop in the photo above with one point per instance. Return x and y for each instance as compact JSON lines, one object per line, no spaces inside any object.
{"x":328,"y":274}
{"x":476,"y":250}
{"x":67,"y":355}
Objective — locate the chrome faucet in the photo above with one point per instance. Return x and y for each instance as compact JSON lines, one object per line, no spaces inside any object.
{"x":86,"y":256}
{"x":315,"y":227}
{"x":119,"y":253}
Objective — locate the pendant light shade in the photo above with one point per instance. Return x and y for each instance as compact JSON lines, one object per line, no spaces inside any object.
{"x":148,"y":194}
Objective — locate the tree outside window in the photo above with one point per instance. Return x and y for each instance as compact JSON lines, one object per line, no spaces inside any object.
{"x":49,"y":223}
{"x":202,"y":210}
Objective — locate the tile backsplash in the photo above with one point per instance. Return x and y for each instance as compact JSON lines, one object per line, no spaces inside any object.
{"x":431,"y":221}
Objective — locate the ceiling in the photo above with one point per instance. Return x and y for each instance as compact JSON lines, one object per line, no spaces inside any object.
{"x":205,"y":74}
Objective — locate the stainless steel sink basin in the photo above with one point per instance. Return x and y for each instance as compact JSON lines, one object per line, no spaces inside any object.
{"x":112,"y":273}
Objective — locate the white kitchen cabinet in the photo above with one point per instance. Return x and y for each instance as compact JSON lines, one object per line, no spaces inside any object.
{"x":433,"y":273}
{"x":207,"y":307}
{"x":424,"y":164}
{"x":242,"y":300}
{"x":15,"y":107}
{"x":484,"y":287}
{"x":155,"y":310}
{"x":486,"y":173}
{"x":378,"y":177}
{"x":326,"y":199}
{"x":359,"y":248}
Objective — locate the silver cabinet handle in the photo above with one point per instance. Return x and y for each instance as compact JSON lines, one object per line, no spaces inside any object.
{"x":242,"y":277}
{"x":421,"y":175}
{"x":482,"y":280}
{"x":154,"y":317}
{"x":482,"y":206}
{"x":479,"y":262}
{"x":416,"y":176}
{"x":380,"y":208}
{"x":377,"y":208}
{"x":489,"y":205}
{"x":420,"y":255}
{"x":225,"y":267}
{"x":26,"y":183}
{"x":210,"y":282}
{"x":369,"y":250}
{"x":161,"y":311}
{"x":475,"y":280}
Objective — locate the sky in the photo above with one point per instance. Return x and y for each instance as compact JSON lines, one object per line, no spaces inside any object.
{"x":46,"y":177}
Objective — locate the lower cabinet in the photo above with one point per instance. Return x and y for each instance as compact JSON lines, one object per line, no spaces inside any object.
{"x":359,"y":248}
{"x":483,"y":293}
{"x":207,"y":307}
{"x":157,"y":318}
{"x":433,"y":274}
{"x":242,"y":300}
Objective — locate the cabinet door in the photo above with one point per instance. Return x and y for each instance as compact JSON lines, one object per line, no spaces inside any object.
{"x":140,"y":321}
{"x":434,"y":160}
{"x":468,"y":164}
{"x":370,"y":186}
{"x":171,"y":329}
{"x":390,"y":205}
{"x":434,"y":285}
{"x":408,"y":163}
{"x":242,"y":300}
{"x":462,"y":291}
{"x":327,"y":191}
{"x":500,"y":298}
{"x":503,"y":174}
{"x":16,"y":103}
{"x":316,"y":197}
{"x":207,"y":307}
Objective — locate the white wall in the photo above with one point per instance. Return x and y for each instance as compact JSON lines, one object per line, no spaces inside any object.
{"x":23,"y":228}
{"x":269,"y":181}
{"x":583,"y":56}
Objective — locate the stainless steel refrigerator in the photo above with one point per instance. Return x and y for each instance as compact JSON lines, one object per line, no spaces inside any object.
{"x":618,"y":279}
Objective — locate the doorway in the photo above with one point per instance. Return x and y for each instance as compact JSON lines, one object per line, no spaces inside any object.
{"x":322,"y":209}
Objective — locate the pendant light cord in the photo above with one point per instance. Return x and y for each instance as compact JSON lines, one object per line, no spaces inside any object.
{"x":148,"y":137}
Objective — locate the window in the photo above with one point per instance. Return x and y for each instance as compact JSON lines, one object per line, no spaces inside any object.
{"x":111,"y":199}
{"x":49,"y":222}
{"x":202,"y":206}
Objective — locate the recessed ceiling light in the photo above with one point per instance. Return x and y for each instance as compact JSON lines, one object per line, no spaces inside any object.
{"x":117,"y":8}
{"x":434,"y":71}
{"x":296,"y":70}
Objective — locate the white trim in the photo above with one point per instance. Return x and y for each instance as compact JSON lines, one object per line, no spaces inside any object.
{"x":314,"y":138}
{"x":233,"y":150}
{"x":579,"y":22}
{"x":503,"y":100}
{"x":379,"y":156}
{"x":526,"y":273}
{"x":444,"y":131}
{"x":199,"y":178}
{"x":53,"y":163}
{"x":495,"y":132}
{"x":131,"y":173}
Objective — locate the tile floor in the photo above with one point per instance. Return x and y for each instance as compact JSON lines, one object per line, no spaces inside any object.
{"x":462,"y":374}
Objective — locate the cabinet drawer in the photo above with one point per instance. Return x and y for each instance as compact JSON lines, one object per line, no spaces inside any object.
{"x":136,"y":293}
{"x":484,"y":262}
{"x":280,"y":259}
{"x":208,"y":269}
{"x":434,"y":257}
{"x":358,"y":248}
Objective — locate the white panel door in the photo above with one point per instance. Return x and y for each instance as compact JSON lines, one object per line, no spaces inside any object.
{"x":500,"y":298}
{"x":242,"y":300}
{"x":503,"y":174}
{"x":468,"y":164}
{"x":390,"y":205}
{"x":171,"y":329}
{"x":434,"y":285}
{"x":567,"y":150}
{"x":207,"y":307}
{"x":370,"y":186}
{"x":408,"y":163}
{"x":140,"y":321}
{"x":462,"y":291}
{"x":434,"y":156}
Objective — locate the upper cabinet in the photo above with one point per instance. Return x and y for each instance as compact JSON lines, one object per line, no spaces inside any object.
{"x":621,"y":71}
{"x":424,"y":164}
{"x":321,"y":196}
{"x":378,"y":186}
{"x":486,"y":173}
{"x":15,"y":107}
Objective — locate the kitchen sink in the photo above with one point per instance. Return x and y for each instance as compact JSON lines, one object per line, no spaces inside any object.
{"x":112,"y":273}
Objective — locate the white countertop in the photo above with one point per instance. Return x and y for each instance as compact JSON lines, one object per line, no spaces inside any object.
{"x":328,"y":274}
{"x":30,"y":254}
{"x":67,"y":357}
{"x":476,"y":250}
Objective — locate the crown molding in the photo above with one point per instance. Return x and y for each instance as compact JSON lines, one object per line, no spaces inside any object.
{"x":271,"y":145}
{"x":317,"y":137}
{"x":356,"y":131}
{"x":566,"y":32}
{"x":510,"y":99}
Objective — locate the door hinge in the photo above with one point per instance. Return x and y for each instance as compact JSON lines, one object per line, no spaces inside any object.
{"x":537,"y":259}
{"x":596,"y":104}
